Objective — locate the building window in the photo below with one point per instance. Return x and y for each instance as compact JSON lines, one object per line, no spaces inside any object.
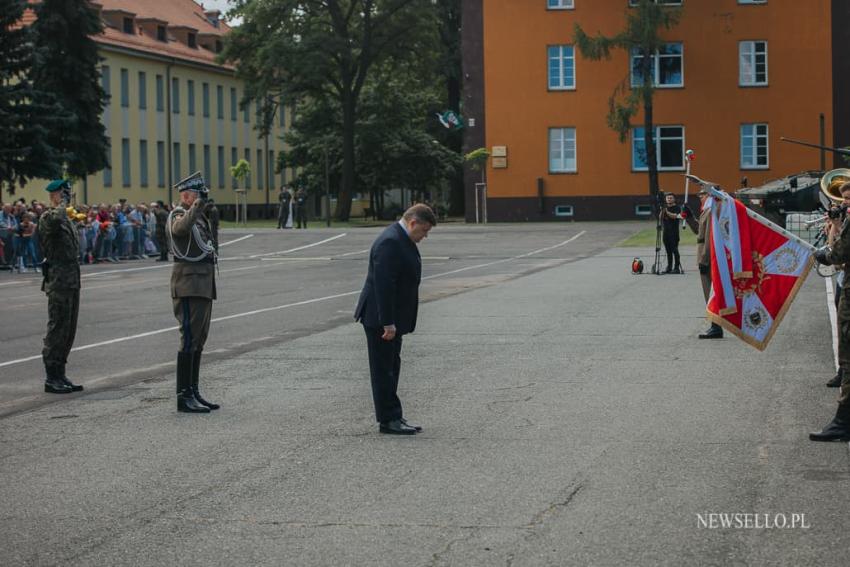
{"x":143,"y":163}
{"x":752,"y":1}
{"x":125,"y":162}
{"x":754,"y":153}
{"x":643,"y":210}
{"x":190,"y":94}
{"x":193,"y":43}
{"x":177,"y":176}
{"x":272,"y":180}
{"x":281,"y":109}
{"x":219,"y":47}
{"x":246,"y":113}
{"x":669,"y":148}
{"x":104,"y":80}
{"x":667,"y":67}
{"x":193,"y":163}
{"x":560,"y":4}
{"x":175,"y":95}
{"x":219,"y":102}
{"x":107,"y":171}
{"x":160,"y":93}
{"x":562,"y":150}
{"x":221,"y":167}
{"x":160,"y":33}
{"x":233,"y":104}
{"x":207,"y":169}
{"x":752,"y":63}
{"x":563,"y":210}
{"x":248,"y":177}
{"x":160,"y":164}
{"x":125,"y":88}
{"x":128,"y":25}
{"x":562,"y":67}
{"x":261,"y":173}
{"x":664,"y":2}
{"x":205,"y":94}
{"x":233,"y":159}
{"x":143,"y":90}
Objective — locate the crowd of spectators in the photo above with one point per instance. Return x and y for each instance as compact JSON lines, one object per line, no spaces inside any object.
{"x":107,"y":233}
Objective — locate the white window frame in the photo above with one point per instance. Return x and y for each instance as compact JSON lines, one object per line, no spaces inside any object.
{"x":658,"y":139}
{"x":747,"y":49}
{"x":562,"y":76}
{"x":562,"y":141}
{"x":633,"y":3}
{"x":656,"y":68}
{"x":752,"y":1}
{"x":560,"y":5}
{"x":755,"y":137}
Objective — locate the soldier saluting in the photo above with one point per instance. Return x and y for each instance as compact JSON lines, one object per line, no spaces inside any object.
{"x":192,"y":244}
{"x":61,"y":282}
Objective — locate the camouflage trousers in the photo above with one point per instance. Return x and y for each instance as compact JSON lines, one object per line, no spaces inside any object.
{"x":194,"y":315}
{"x":844,"y":344}
{"x":63,"y":307}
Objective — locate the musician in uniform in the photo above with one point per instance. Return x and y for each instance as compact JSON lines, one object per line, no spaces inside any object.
{"x":60,"y":245}
{"x":192,"y":287}
{"x":839,"y":428}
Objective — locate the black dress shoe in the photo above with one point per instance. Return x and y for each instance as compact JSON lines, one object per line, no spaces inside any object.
{"x":418,"y":428}
{"x":836,"y":380}
{"x":396,"y":427}
{"x":714,"y":332}
{"x":838,"y":429}
{"x":62,"y":378}
{"x":55,"y":386}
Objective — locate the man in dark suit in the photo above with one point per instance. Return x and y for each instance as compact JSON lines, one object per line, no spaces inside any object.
{"x":387,"y":309}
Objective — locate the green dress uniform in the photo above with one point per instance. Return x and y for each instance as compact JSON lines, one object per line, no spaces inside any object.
{"x":60,"y":245}
{"x":192,"y":293}
{"x":839,"y":428}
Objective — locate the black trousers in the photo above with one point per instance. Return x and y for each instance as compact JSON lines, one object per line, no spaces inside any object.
{"x":671,"y":246}
{"x":384,"y":366}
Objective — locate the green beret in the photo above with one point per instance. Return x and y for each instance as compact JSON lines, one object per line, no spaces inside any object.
{"x":57,"y":185}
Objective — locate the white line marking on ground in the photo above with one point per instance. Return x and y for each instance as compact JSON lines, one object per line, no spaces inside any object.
{"x":229,"y":242}
{"x":353,"y":253}
{"x":300,"y":247}
{"x":95,"y":274}
{"x":286,"y":305}
{"x":314,"y":258}
{"x":833,"y":317}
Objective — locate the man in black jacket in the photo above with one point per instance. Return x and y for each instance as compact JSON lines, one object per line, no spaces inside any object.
{"x":387,"y":309}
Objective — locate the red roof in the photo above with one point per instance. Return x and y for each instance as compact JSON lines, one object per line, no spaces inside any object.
{"x":175,"y":13}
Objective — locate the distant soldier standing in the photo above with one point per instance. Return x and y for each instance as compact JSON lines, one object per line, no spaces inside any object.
{"x":61,"y":282}
{"x":192,"y":287}
{"x":283,"y":211}
{"x":161,"y":216}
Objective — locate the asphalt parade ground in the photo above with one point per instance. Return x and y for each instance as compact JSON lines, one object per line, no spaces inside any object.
{"x":571,"y":416}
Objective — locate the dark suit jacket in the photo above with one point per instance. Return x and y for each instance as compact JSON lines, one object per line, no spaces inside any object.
{"x":390,"y":295}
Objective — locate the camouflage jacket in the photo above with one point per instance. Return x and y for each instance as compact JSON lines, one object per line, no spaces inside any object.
{"x":60,"y":245}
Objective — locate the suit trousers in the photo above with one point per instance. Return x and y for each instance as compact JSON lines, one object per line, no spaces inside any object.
{"x":384,"y":366}
{"x":194,"y":315}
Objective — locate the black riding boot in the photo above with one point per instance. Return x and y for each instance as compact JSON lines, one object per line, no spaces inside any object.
{"x":64,"y":378}
{"x":196,"y":371}
{"x":836,"y":380}
{"x":53,"y":383}
{"x":186,"y":401}
{"x":838,"y":429}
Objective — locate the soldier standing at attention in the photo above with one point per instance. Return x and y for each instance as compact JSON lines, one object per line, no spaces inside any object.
{"x":161,"y":216}
{"x":192,"y":287}
{"x":61,"y":282}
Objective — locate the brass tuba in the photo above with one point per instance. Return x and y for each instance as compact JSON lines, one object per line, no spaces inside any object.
{"x":832,"y":181}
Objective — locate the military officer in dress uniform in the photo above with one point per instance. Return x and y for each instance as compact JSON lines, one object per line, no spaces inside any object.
{"x":192,"y":287}
{"x":61,"y":282}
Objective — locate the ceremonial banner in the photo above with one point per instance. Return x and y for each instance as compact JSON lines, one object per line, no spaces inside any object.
{"x":757,"y":268}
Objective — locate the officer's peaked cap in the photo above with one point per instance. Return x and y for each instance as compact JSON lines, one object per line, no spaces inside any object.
{"x":194,"y":182}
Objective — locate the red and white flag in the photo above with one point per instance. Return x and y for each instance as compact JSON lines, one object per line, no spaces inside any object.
{"x":757,"y":268}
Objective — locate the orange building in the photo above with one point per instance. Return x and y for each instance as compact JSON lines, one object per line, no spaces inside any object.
{"x":734,"y":76}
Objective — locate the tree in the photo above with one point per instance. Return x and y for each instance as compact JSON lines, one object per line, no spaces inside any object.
{"x":450,"y":69}
{"x":240,"y":171}
{"x":26,"y":115}
{"x":66,"y":66}
{"x":641,"y":37}
{"x":294,"y":50}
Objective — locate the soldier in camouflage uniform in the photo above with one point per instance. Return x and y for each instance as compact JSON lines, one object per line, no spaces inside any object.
{"x":839,"y":428}
{"x":192,"y":288}
{"x":61,"y":272}
{"x":161,"y":216}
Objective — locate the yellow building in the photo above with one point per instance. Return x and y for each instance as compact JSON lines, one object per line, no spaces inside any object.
{"x":174,"y":110}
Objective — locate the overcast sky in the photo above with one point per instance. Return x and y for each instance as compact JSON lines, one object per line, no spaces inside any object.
{"x":215,"y":5}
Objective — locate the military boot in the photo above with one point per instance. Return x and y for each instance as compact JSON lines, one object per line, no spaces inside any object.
{"x":713,"y":332}
{"x":838,"y":429}
{"x":196,"y":371}
{"x":53,"y":383}
{"x":186,"y":401}
{"x":836,"y":380}
{"x":64,"y":378}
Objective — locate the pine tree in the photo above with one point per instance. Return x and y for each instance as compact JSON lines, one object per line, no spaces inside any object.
{"x":66,"y":66}
{"x":26,"y":115}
